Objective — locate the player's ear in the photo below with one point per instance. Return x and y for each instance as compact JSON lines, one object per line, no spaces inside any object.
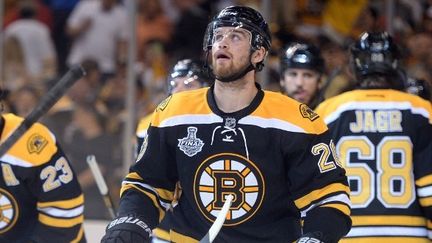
{"x":258,"y":55}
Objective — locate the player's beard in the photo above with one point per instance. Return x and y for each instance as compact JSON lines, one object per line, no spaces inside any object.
{"x":228,"y":73}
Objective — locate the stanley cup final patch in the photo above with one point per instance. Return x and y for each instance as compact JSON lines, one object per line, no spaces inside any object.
{"x":190,"y":145}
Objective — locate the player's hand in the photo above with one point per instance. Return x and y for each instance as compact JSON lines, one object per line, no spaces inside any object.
{"x":127,"y":229}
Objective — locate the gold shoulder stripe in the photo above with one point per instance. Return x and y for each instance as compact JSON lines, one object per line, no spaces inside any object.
{"x":58,"y":222}
{"x":183,"y":103}
{"x":70,"y":203}
{"x":36,"y":146}
{"x":143,"y":124}
{"x":275,"y":106}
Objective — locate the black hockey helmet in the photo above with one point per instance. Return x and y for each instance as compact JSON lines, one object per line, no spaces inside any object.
{"x":189,"y":68}
{"x":302,"y":55}
{"x":376,"y":53}
{"x":241,"y":17}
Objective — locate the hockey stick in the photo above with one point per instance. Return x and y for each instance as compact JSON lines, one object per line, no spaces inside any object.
{"x":48,"y":100}
{"x":217,"y":225}
{"x":101,"y":184}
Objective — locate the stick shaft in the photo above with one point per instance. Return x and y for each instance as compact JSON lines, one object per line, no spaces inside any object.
{"x":218,"y":223}
{"x":44,"y":105}
{"x":101,"y":184}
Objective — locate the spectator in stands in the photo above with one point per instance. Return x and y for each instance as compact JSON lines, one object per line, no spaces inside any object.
{"x":35,"y":42}
{"x":99,"y":30}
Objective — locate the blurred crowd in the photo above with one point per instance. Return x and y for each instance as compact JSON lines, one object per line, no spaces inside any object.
{"x":41,"y":39}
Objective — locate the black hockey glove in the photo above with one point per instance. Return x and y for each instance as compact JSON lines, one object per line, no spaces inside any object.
{"x":310,"y":238}
{"x":127,"y":229}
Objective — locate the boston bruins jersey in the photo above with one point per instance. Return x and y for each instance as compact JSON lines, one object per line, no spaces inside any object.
{"x":141,"y":130}
{"x":384,"y":139}
{"x":273,"y":156}
{"x":40,"y":198}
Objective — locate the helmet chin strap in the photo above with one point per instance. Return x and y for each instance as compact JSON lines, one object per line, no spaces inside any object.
{"x":236,"y":76}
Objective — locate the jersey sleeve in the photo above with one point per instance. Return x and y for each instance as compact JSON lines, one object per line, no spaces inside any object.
{"x":148,"y":189}
{"x":319,"y":185}
{"x":422,"y":158}
{"x":60,"y":202}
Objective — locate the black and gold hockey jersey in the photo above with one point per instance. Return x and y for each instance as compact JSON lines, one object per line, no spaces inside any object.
{"x":273,"y":156}
{"x":384,"y":139}
{"x":40,"y":198}
{"x":141,"y":130}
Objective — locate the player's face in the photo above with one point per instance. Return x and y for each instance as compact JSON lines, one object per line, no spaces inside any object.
{"x":300,"y":84}
{"x":230,"y":50}
{"x":184,"y":83}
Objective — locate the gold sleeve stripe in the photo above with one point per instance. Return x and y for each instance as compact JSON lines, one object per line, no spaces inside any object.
{"x":320,"y":193}
{"x":341,"y":207}
{"x":161,"y":234}
{"x":79,"y":235}
{"x":388,"y":220}
{"x":381,"y":240}
{"x":70,"y":203}
{"x":134,"y":175}
{"x":151,"y":196}
{"x":429,"y":224}
{"x":177,"y":237}
{"x":426,"y":202}
{"x":62,"y":223}
{"x":424,"y":181}
{"x":162,"y":193}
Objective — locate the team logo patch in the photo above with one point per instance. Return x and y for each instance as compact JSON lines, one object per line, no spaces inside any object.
{"x":190,"y":145}
{"x":308,"y":113}
{"x":228,"y":174}
{"x":143,"y":148}
{"x":8,"y":211}
{"x":163,"y":104}
{"x":230,"y":122}
{"x":36,"y":143}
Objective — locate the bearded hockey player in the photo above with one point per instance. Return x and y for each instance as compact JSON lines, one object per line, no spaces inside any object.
{"x":265,"y":150}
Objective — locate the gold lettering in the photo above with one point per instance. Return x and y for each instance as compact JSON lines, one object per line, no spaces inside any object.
{"x":357,"y":126}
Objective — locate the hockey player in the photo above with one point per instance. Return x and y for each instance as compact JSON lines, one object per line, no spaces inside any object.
{"x":266,"y":150}
{"x":301,"y":68}
{"x":187,"y":74}
{"x":383,"y":136}
{"x":40,"y":198}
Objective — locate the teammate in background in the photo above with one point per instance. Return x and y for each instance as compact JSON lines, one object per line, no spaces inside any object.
{"x":384,"y":140}
{"x":187,"y":74}
{"x":301,"y":70}
{"x":271,"y":153}
{"x":41,"y":200}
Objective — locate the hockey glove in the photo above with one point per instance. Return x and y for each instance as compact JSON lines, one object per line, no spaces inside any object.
{"x":310,"y":238}
{"x":127,"y":229}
